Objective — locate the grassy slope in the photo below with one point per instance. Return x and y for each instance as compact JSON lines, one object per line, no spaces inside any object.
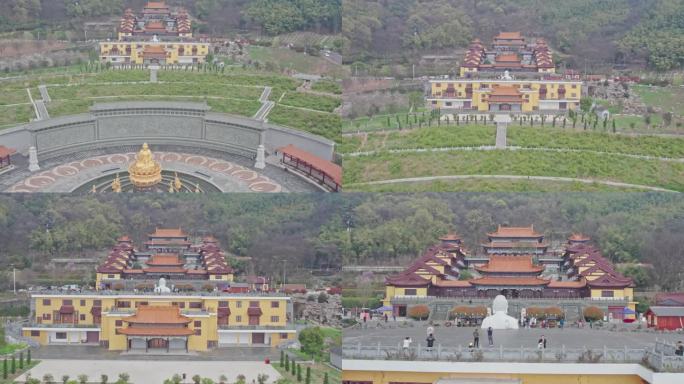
{"x":488,"y":185}
{"x":577,"y":165}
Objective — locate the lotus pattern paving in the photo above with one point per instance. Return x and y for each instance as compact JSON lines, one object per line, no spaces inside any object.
{"x":247,"y":179}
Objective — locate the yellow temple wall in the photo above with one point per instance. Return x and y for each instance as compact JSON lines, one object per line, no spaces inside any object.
{"x":433,"y":377}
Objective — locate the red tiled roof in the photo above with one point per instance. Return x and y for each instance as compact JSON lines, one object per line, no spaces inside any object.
{"x":581,"y":283}
{"x":156,"y":5}
{"x":491,"y":280}
{"x":515,"y":244}
{"x":453,"y":284}
{"x":147,"y":314}
{"x":331,"y":169}
{"x":156,"y":331}
{"x":164,"y":270}
{"x":509,"y":57}
{"x":515,"y":264}
{"x":515,"y":231}
{"x":407,"y":280}
{"x":509,"y":36}
{"x":152,"y":25}
{"x":164,"y":232}
{"x":608,"y":280}
{"x":165,"y":259}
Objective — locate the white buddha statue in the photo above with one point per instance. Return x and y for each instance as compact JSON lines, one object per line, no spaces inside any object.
{"x":500,"y":319}
{"x":161,"y":287}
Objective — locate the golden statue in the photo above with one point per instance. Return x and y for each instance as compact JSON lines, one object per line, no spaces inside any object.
{"x":144,"y":172}
{"x":116,"y":184}
{"x":177,"y":184}
{"x":171,"y":190}
{"x":197,"y":189}
{"x":93,"y":189}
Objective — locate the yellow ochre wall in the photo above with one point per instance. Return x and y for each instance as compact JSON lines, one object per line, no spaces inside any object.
{"x":552,"y":86}
{"x":430,"y":377}
{"x":238,"y":307}
{"x":137,"y":48}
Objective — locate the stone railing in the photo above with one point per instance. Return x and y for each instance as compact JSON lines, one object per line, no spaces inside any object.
{"x":157,"y":123}
{"x":660,"y":357}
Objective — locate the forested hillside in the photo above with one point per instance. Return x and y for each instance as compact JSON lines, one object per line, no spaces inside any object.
{"x":317,"y":231}
{"x":214,"y":16}
{"x":585,"y":33}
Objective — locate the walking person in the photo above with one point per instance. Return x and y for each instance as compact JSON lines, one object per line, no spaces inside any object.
{"x":490,"y":336}
{"x":541,"y":344}
{"x":386,"y":318}
{"x":476,"y":338}
{"x":407,"y":345}
{"x":430,"y":342}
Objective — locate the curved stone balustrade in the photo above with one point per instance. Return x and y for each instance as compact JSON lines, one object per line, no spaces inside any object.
{"x":158,"y":123}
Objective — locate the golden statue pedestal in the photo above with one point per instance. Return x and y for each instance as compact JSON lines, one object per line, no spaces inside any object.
{"x":144,"y":172}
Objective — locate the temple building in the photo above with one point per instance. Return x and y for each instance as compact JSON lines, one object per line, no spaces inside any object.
{"x":167,"y":253}
{"x":515,"y":240}
{"x":512,"y":268}
{"x":156,"y":36}
{"x":172,"y":295}
{"x":513,"y":76}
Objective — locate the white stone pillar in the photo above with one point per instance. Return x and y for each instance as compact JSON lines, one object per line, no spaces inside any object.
{"x":153,"y":73}
{"x":33,"y":160}
{"x":261,"y":157}
{"x":502,"y":121}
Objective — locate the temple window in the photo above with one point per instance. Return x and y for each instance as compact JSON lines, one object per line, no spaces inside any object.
{"x":198,"y":324}
{"x":238,"y":304}
{"x":83,"y":303}
{"x":254,"y":304}
{"x":223,"y":304}
{"x":82,"y":318}
{"x":60,"y":336}
{"x":35,"y":333}
{"x":275,"y":319}
{"x":118,"y":323}
{"x":67,"y":302}
{"x":275,"y":304}
{"x":195,"y":305}
{"x":238,"y":318}
{"x":410,"y":292}
{"x":46,"y":301}
{"x":607,"y":294}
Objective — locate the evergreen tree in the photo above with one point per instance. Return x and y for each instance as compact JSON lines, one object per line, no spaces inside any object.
{"x":13,"y":368}
{"x":299,"y":373}
{"x":21,"y":360}
{"x":325,"y":378}
{"x":287,"y":363}
{"x":282,"y":353}
{"x":5,"y":372}
{"x":28,"y":357}
{"x":308,"y":375}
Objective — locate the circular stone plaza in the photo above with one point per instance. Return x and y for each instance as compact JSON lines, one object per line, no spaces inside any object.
{"x":198,"y":150}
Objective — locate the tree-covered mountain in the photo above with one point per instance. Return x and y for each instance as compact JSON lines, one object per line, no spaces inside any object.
{"x":583,"y":32}
{"x":321,"y":231}
{"x":213,"y":16}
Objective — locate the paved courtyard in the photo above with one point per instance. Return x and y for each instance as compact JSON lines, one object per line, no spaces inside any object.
{"x":455,"y":336}
{"x":96,"y":352}
{"x":151,"y":372}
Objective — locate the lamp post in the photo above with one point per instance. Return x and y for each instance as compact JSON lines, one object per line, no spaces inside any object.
{"x":284,"y":274}
{"x":14,"y":278}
